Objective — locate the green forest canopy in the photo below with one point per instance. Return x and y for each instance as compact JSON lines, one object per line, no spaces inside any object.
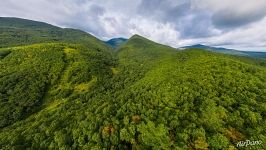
{"x":82,"y":95}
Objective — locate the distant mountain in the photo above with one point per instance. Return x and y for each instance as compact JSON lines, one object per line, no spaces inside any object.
{"x":228,"y":51}
{"x":116,"y":42}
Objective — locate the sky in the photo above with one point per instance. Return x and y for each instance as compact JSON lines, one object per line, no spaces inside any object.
{"x":238,"y":24}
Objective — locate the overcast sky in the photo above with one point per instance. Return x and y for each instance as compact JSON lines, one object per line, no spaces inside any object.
{"x":239,"y":24}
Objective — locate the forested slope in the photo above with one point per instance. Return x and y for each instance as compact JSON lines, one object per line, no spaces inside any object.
{"x":17,"y":32}
{"x":82,"y":95}
{"x":151,"y":97}
{"x":31,"y":73}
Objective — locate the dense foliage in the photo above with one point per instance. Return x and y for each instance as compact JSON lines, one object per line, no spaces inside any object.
{"x":150,"y":96}
{"x":28,"y":73}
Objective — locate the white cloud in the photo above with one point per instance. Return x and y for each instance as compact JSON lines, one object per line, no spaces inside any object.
{"x":164,"y":33}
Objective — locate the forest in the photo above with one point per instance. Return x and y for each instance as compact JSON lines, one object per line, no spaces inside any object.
{"x":79,"y":93}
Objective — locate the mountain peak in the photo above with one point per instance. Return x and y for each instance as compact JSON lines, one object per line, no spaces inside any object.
{"x":139,"y":37}
{"x":140,"y":41}
{"x":135,"y":35}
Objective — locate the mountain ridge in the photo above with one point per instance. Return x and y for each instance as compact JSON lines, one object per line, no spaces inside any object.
{"x":31,"y":32}
{"x":228,"y":51}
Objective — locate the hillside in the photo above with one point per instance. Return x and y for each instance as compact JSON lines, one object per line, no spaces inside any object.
{"x":143,"y":96}
{"x":19,"y":32}
{"x":30,"y":73}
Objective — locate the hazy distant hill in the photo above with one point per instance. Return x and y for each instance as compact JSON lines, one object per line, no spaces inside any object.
{"x":116,"y":42}
{"x":229,"y":51}
{"x":80,"y":94}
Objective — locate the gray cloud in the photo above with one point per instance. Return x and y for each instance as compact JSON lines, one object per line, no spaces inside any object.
{"x":172,"y":22}
{"x":229,"y":19}
{"x":233,"y":14}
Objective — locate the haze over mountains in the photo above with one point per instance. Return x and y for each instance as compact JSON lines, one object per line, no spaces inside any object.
{"x":228,"y":51}
{"x":66,"y":89}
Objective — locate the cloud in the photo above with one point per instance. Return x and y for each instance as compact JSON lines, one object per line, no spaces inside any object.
{"x":231,"y":14}
{"x":251,"y":37}
{"x":238,"y":23}
{"x":160,"y":32}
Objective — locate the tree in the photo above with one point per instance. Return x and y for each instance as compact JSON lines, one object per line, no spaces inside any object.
{"x":218,"y":141}
{"x":153,"y":137}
